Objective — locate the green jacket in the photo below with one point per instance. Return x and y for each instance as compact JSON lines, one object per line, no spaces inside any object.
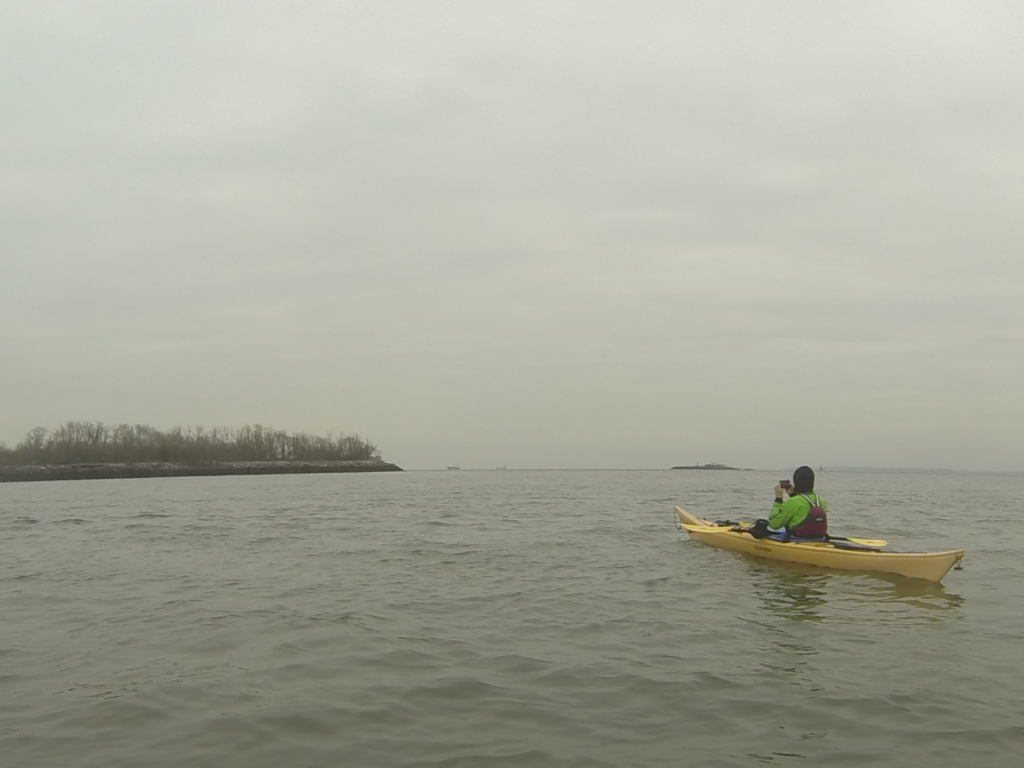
{"x":790,"y":513}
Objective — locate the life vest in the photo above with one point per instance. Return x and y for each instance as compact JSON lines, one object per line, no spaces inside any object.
{"x":815,"y":525}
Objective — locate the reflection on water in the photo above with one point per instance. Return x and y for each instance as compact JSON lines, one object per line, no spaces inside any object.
{"x":802,"y":607}
{"x":794,"y":592}
{"x":794,"y":596}
{"x":799,"y":592}
{"x":879,"y":588}
{"x":791,"y":597}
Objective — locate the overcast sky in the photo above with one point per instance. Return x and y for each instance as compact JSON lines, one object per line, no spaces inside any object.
{"x":522,"y":234}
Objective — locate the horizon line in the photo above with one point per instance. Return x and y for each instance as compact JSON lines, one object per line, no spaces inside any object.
{"x":850,"y":469}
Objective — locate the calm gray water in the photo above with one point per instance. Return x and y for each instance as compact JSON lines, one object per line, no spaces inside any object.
{"x":499,"y":619}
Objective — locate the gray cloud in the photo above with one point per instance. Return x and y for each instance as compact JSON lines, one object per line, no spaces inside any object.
{"x":594,"y":234}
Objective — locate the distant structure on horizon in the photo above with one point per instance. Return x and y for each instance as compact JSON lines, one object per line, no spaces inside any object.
{"x":710,"y":465}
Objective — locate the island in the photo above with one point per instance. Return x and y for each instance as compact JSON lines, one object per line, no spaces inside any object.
{"x":94,"y":451}
{"x":711,"y":465}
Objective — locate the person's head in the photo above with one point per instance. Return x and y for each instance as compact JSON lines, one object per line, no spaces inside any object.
{"x":803,"y":480}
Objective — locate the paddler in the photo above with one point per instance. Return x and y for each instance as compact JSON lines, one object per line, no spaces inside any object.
{"x":803,"y":514}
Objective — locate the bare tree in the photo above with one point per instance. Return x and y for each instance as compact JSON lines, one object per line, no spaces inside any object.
{"x":94,"y":442}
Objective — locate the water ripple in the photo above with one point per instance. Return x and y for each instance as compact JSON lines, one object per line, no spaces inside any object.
{"x":346,"y":620}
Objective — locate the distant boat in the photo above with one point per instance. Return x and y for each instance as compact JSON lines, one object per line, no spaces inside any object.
{"x":453,"y":467}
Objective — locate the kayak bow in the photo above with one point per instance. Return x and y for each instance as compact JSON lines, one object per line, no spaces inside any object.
{"x":931,"y":566}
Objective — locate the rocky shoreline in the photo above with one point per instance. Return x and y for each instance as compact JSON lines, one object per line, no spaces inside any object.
{"x":22,"y":474}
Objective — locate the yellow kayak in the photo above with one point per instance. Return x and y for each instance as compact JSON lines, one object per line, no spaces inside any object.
{"x":931,"y":566}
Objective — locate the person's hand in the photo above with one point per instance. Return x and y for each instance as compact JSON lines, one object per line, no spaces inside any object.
{"x":778,"y":491}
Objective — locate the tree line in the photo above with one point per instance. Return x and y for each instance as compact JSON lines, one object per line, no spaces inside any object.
{"x":92,"y":442}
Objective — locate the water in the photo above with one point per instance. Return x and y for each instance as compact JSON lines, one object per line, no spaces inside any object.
{"x":498,"y":619}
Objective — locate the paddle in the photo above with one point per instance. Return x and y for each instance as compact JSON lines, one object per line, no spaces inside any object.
{"x":852,"y":539}
{"x":865,"y":542}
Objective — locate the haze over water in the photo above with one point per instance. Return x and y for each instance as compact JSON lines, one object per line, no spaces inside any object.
{"x":498,"y":618}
